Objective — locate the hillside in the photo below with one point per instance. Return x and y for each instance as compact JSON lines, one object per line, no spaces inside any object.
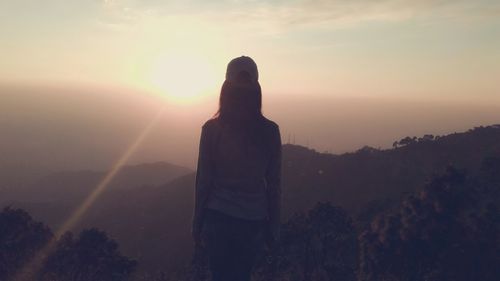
{"x":352,"y":180}
{"x":152,"y":223}
{"x":73,"y":186}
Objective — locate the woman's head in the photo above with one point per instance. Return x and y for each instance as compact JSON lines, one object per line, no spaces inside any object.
{"x":240,"y":100}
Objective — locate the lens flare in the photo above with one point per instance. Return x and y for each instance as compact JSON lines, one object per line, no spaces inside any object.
{"x":29,"y":271}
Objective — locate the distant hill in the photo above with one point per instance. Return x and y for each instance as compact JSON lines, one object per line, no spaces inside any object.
{"x":352,"y":180}
{"x":152,"y":224}
{"x":14,"y":176}
{"x":73,"y":186}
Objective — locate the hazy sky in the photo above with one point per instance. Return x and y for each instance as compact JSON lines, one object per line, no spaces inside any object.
{"x":357,"y":47}
{"x":337,"y":74}
{"x":67,"y":128}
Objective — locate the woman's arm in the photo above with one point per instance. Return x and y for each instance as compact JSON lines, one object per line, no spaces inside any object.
{"x":203,"y":181}
{"x":273,"y":178}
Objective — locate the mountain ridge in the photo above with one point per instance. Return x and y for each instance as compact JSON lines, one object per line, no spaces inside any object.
{"x":152,"y":223}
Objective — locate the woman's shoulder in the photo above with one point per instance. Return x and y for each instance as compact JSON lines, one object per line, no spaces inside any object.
{"x":211,"y":123}
{"x":270,"y":124}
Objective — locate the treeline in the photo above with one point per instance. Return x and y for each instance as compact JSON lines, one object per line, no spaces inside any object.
{"x":29,"y":251}
{"x":449,"y":230}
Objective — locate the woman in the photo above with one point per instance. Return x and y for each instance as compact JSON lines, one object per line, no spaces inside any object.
{"x":238,"y":179}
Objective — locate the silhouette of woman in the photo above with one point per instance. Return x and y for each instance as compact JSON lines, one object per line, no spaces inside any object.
{"x":238,"y":178}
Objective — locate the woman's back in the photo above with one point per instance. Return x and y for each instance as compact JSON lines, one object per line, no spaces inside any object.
{"x":241,"y":160}
{"x":238,"y":179}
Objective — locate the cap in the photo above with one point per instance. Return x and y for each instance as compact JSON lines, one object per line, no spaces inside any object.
{"x":240,"y":64}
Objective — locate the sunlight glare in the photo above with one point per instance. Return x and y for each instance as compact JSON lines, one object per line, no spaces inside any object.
{"x":182,"y":77}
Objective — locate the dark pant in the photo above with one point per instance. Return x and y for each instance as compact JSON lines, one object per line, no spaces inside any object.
{"x":232,"y":245}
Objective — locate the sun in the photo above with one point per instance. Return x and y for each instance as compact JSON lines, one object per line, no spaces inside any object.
{"x":182,"y":77}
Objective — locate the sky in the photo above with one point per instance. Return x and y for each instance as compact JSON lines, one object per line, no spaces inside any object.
{"x":360,"y":47}
{"x":369,"y":68}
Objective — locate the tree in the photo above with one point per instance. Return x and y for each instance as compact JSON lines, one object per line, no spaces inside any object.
{"x":449,"y":231}
{"x":92,"y":256}
{"x":367,"y":150}
{"x":318,"y":246}
{"x":395,"y":144}
{"x":20,"y":239}
{"x":407,"y":141}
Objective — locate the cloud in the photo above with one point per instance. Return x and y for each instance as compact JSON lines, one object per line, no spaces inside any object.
{"x":344,"y":12}
{"x":282,"y":16}
{"x":251,"y":15}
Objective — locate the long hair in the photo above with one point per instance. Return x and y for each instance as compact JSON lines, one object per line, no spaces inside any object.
{"x":240,"y":108}
{"x":240,"y":102}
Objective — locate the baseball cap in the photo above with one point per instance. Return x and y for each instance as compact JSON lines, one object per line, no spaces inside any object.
{"x":239,"y":64}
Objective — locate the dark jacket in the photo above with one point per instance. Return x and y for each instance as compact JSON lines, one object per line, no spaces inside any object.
{"x":239,"y":173}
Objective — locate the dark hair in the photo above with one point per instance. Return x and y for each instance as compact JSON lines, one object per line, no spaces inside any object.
{"x":240,"y":101}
